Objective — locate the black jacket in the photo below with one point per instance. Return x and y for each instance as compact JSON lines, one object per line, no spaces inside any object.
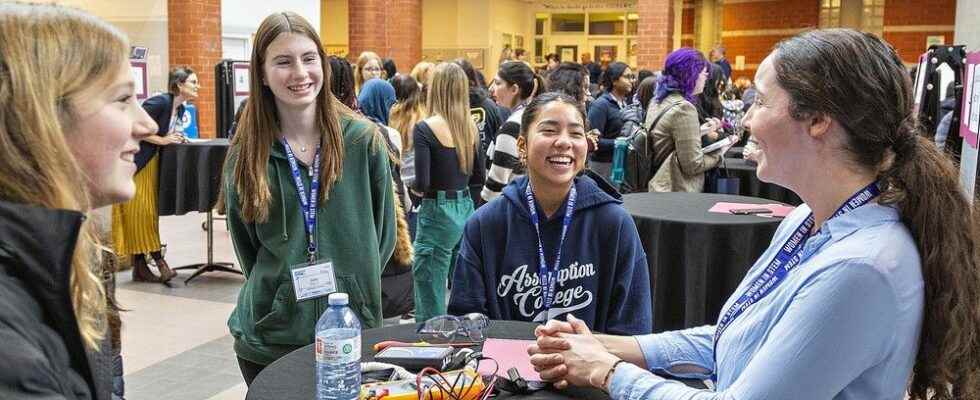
{"x":487,"y":117}
{"x":606,"y":116}
{"x":158,"y":107}
{"x":40,"y":345}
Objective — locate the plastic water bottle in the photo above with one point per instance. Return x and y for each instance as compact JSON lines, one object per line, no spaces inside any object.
{"x":338,"y":351}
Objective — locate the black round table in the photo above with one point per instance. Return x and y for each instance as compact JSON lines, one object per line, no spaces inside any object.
{"x":293,"y":376}
{"x":750,"y":185}
{"x":190,"y":176}
{"x":190,"y":180}
{"x":696,"y":258}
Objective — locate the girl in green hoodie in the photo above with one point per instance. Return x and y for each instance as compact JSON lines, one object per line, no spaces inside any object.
{"x":306,"y":182}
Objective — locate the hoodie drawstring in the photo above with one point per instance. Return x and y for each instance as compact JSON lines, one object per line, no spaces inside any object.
{"x":282,"y":202}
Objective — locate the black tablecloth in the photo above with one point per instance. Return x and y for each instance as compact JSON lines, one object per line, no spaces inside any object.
{"x":190,"y":176}
{"x":696,"y":258}
{"x":750,"y":185}
{"x":293,"y":376}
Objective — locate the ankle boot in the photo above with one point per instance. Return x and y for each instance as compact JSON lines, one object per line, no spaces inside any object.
{"x":166,"y":273}
{"x":141,"y":271}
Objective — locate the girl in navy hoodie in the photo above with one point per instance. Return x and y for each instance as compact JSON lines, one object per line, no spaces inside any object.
{"x":559,"y":243}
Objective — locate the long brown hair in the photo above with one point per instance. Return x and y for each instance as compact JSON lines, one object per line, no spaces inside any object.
{"x":408,"y":109}
{"x":858,"y":80}
{"x":259,"y":126}
{"x":49,"y":57}
{"x":449,"y":98}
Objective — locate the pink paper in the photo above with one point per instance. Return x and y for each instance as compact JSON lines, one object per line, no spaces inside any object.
{"x":778,"y":210}
{"x":508,"y":354}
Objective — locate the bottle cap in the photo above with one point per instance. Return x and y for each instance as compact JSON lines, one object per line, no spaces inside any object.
{"x":337,"y":299}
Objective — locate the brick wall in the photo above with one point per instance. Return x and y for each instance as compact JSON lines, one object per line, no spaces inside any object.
{"x":751,"y":29}
{"x":655,"y":30}
{"x":194,"y":33}
{"x":393,"y":29}
{"x":908,"y":23}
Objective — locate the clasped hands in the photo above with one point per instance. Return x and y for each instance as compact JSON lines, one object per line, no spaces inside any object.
{"x":568,"y":353}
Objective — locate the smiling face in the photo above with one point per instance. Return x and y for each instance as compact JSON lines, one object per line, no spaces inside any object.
{"x":372,"y":69}
{"x":293,"y":71}
{"x":104,"y":135}
{"x":624,"y":84}
{"x":555,"y":145}
{"x":781,"y":138}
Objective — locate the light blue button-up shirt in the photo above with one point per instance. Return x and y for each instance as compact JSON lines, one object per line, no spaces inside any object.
{"x":843,"y":325}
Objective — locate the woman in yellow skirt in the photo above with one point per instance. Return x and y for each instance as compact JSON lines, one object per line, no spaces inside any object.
{"x":136,"y":224}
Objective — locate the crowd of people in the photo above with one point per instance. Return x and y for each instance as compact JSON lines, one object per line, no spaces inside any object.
{"x":436,"y":189}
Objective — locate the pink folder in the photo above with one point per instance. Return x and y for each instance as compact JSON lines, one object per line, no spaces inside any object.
{"x":509,"y":353}
{"x":778,"y":210}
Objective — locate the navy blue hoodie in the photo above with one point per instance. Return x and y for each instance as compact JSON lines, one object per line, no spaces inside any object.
{"x":603,"y":278}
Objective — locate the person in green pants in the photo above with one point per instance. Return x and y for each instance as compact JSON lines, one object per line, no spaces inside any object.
{"x":448,"y":176}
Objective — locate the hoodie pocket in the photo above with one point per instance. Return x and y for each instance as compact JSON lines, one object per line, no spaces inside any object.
{"x":287,"y":322}
{"x":348,"y":284}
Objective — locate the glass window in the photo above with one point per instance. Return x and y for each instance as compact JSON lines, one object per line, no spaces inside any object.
{"x":632,"y":23}
{"x":568,"y":23}
{"x":539,"y":26}
{"x":606,"y":23}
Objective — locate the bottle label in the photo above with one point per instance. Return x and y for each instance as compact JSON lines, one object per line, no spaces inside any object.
{"x":338,"y":351}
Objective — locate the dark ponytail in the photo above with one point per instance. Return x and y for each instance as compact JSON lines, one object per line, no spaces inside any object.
{"x":518,"y":73}
{"x":871,"y":100}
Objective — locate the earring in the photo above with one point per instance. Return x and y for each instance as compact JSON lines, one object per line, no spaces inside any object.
{"x":522,"y":154}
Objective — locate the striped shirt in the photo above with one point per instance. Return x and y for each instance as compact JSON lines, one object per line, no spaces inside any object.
{"x":506,"y":164}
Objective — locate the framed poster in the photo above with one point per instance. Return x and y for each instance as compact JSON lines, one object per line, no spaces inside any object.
{"x":605,"y":53}
{"x":508,"y":40}
{"x":567,"y":53}
{"x":474,"y":56}
{"x":241,"y":79}
{"x":138,"y":68}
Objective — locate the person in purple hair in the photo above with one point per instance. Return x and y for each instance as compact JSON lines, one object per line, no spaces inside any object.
{"x":673,"y":119}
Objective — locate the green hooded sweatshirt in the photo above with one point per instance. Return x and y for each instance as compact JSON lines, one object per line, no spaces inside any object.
{"x":355,"y":230}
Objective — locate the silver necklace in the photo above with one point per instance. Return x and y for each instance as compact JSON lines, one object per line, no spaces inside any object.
{"x":302,"y":148}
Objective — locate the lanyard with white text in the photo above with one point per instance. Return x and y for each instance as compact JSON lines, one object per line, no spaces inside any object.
{"x":308,"y":202}
{"x":545,"y":275}
{"x":788,"y":257}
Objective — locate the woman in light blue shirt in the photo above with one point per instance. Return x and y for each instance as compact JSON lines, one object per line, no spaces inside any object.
{"x":874,"y":277}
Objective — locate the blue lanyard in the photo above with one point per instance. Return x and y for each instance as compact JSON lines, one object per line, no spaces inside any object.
{"x":308,"y":202}
{"x":788,"y":257}
{"x":547,"y":276}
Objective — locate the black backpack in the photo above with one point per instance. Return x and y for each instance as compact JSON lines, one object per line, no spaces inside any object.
{"x":639,"y":165}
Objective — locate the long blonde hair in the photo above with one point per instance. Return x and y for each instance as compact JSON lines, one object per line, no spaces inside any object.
{"x":49,"y":56}
{"x":362,"y":60}
{"x":259,"y":125}
{"x":449,"y":98}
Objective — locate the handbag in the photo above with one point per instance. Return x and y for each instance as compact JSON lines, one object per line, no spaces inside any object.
{"x":719,"y":180}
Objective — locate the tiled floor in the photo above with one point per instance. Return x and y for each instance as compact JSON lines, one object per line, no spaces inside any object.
{"x":175,"y":341}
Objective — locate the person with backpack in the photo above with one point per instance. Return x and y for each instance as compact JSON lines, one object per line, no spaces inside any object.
{"x":605,"y":114}
{"x":633,"y":155}
{"x":673,"y":121}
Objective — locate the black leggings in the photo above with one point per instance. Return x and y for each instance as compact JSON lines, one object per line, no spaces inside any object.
{"x":249,"y":370}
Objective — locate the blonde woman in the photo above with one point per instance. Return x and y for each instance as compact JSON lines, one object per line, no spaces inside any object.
{"x":69,"y":130}
{"x":448,"y":175}
{"x":295,"y":137}
{"x":368,"y":67}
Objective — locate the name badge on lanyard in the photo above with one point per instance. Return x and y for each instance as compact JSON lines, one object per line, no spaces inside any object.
{"x":547,"y":276}
{"x":789,"y":257}
{"x":312,"y":279}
